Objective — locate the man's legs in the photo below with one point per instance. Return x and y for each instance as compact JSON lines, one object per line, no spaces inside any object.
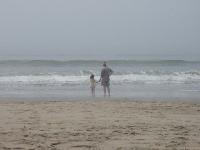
{"x":108,"y":88}
{"x":104,"y":90}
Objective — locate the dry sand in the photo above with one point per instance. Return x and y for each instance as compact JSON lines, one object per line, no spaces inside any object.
{"x":99,"y":124}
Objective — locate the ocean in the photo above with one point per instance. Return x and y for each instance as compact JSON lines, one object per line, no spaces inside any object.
{"x":69,"y":79}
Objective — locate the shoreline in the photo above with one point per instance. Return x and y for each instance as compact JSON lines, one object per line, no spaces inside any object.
{"x":96,"y":99}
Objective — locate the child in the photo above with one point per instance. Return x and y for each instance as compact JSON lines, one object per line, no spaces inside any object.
{"x":92,"y":84}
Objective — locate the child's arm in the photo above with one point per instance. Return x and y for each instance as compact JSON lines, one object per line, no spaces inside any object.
{"x":96,"y":81}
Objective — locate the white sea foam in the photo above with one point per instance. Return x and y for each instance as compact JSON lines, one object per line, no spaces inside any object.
{"x":156,"y":78}
{"x":42,"y":79}
{"x":181,"y":77}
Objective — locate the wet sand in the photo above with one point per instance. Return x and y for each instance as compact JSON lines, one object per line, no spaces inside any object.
{"x":99,"y":124}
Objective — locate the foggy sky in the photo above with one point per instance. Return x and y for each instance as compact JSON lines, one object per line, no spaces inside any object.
{"x":62,"y":27}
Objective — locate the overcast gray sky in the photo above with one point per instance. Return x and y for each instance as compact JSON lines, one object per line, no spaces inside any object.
{"x":62,"y":27}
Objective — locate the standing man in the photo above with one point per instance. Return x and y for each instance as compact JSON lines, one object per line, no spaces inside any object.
{"x":105,"y":78}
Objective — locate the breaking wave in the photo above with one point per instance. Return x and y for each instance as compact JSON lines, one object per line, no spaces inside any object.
{"x":142,"y":77}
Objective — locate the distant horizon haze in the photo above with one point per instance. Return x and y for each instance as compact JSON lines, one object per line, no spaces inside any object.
{"x":100,"y":29}
{"x":101,"y":57}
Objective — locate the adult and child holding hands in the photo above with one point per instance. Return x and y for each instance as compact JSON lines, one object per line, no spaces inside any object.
{"x":106,"y":72}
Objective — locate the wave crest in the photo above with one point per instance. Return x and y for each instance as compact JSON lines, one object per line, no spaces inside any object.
{"x":176,"y":77}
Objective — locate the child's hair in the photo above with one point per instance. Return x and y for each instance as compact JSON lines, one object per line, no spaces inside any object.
{"x":91,"y":76}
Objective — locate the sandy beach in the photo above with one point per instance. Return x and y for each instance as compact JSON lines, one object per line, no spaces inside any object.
{"x":99,"y":124}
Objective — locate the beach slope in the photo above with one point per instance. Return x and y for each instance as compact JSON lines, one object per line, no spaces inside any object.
{"x":99,"y":124}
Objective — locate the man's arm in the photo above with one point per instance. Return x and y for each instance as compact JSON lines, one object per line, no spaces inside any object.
{"x":111,"y":72}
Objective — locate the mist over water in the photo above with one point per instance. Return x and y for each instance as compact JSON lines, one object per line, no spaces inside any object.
{"x":103,"y":56}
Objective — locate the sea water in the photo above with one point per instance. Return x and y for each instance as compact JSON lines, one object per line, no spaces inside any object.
{"x":69,"y":78}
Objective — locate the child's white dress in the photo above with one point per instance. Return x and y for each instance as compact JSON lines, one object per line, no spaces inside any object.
{"x":92,"y":83}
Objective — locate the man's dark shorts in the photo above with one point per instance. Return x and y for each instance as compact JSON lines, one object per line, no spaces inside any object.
{"x":105,"y":83}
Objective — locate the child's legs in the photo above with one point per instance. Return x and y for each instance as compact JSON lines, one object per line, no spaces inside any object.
{"x":93,"y":91}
